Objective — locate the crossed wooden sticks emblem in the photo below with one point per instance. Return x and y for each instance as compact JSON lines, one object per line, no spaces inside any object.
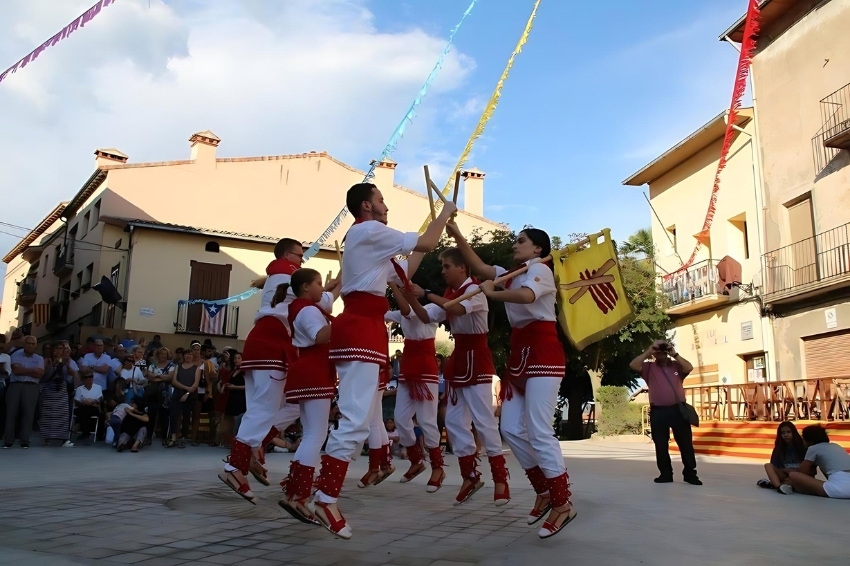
{"x":598,"y":284}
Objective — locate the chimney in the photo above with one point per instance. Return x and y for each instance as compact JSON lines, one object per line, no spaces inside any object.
{"x":473,"y":189}
{"x":203,"y":147}
{"x":384,"y":174}
{"x":109,"y":156}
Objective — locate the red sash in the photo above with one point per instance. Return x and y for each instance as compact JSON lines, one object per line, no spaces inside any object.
{"x":419,"y":368}
{"x":535,"y":352}
{"x":282,"y":266}
{"x":268,"y":346}
{"x":312,"y":375}
{"x":359,"y":334}
{"x":452,"y":294}
{"x":471,"y":363}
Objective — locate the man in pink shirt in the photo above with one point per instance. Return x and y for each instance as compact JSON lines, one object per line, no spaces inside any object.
{"x":664,"y":370}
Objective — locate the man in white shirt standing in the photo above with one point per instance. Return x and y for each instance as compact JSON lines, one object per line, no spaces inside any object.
{"x":87,"y":401}
{"x":22,"y":397}
{"x":359,"y":339}
{"x":99,"y":363}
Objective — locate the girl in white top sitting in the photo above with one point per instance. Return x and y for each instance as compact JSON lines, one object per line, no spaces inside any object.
{"x":535,"y":369}
{"x":833,"y":461}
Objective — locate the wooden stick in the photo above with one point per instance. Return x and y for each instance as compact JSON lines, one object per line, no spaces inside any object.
{"x":496,"y":281}
{"x":338,"y":253}
{"x":428,"y":184}
{"x":457,"y":187}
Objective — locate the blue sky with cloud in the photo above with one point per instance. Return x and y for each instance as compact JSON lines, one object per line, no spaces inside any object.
{"x":600,"y":89}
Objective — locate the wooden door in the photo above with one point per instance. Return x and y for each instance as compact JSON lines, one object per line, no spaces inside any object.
{"x":208,"y":281}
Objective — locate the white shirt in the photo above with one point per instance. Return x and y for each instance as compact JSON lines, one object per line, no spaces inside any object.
{"x":369,"y":248}
{"x":272,"y":283}
{"x":120,"y":410}
{"x":308,"y":323}
{"x":475,"y":319}
{"x":541,"y":281}
{"x":94,"y":393}
{"x":415,"y":329}
{"x":90,"y":360}
{"x":6,"y":364}
{"x":134,"y":375}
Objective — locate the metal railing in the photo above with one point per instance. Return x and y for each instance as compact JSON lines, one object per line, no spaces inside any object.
{"x":697,"y":281}
{"x":835,"y":117}
{"x":196,"y":319}
{"x":799,"y":399}
{"x":820,"y":258}
{"x":64,"y":262}
{"x":58,"y":314}
{"x":26,"y":293}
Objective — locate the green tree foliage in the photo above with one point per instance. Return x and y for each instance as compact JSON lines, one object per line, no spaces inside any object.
{"x":619,"y":415}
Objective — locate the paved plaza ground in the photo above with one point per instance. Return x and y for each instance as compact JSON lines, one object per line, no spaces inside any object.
{"x":90,"y":505}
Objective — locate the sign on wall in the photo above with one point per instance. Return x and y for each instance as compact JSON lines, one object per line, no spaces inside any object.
{"x":747,"y":330}
{"x":831,"y":318}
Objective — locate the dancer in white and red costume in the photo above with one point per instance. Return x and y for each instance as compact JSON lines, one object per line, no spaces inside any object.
{"x":359,"y":337}
{"x":289,"y":255}
{"x":265,"y":361}
{"x":380,"y":458}
{"x":535,"y":370}
{"x":418,"y":384}
{"x":310,"y":384}
{"x":469,"y":376}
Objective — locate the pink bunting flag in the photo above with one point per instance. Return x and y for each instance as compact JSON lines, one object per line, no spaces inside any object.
{"x":79,"y":22}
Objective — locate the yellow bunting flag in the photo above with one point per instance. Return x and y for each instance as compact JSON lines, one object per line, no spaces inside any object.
{"x":592,"y":301}
{"x":485,"y":115}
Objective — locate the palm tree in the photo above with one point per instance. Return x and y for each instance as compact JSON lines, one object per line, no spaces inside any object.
{"x":639,"y":244}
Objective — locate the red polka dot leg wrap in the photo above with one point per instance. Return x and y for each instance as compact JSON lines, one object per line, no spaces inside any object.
{"x":376,"y":458}
{"x":387,"y":463}
{"x":498,"y":469}
{"x":302,"y":481}
{"x":332,"y":476}
{"x":559,"y":489}
{"x":469,"y":468}
{"x":414,"y":454}
{"x":436,"y":455}
{"x":537,"y":479}
{"x":240,"y":456}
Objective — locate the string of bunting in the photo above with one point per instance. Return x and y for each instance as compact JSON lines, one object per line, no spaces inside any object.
{"x":79,"y":22}
{"x":748,"y":47}
{"x":489,"y":109}
{"x":396,"y":136}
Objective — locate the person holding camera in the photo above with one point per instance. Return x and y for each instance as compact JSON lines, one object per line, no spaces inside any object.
{"x":664,"y":370}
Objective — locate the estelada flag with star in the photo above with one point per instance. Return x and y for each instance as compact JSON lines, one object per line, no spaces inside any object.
{"x":592,"y":301}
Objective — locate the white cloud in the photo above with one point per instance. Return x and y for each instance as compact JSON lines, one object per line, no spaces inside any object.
{"x":266,"y":77}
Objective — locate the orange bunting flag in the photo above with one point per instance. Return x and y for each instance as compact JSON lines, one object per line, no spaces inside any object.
{"x":40,"y":314}
{"x":592,"y":301}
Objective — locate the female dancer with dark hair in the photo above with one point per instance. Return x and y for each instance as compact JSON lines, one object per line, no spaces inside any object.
{"x":535,"y":370}
{"x":311,"y":383}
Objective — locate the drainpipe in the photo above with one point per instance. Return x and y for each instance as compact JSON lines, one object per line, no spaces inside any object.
{"x":127,"y":275}
{"x":767,"y":330}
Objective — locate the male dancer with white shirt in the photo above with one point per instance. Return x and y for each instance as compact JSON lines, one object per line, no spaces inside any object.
{"x":359,"y":338}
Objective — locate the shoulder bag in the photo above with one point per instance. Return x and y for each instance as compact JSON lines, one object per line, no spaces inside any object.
{"x":688,"y":412}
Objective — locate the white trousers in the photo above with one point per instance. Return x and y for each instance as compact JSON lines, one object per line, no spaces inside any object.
{"x":426,"y":416}
{"x":314,"y":421}
{"x":263,"y":401}
{"x":474,"y":406}
{"x":287,"y":415}
{"x":358,"y":396}
{"x":377,"y":429}
{"x":527,"y":426}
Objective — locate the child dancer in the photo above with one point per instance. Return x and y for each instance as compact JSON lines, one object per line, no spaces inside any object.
{"x":418,"y":385}
{"x":469,"y":375}
{"x":535,"y":370}
{"x":311,"y":383}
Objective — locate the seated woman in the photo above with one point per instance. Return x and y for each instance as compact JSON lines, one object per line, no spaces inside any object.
{"x":788,"y":451}
{"x":833,"y":461}
{"x":133,"y":427}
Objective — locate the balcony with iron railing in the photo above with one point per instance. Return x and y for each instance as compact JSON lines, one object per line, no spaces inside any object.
{"x":810,"y":266}
{"x":834,"y":135}
{"x":58,"y":315}
{"x":213,"y":320}
{"x":695,"y":289}
{"x":64,"y":262}
{"x":26,"y":294}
